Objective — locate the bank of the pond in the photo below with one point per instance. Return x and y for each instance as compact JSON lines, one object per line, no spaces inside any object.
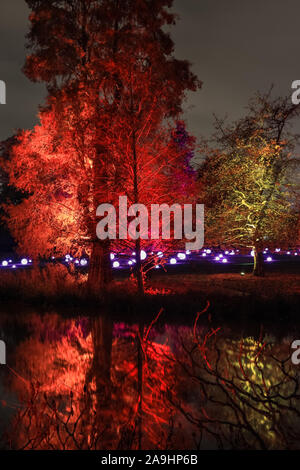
{"x":230,"y":296}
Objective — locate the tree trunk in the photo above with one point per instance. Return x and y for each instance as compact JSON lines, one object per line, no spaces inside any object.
{"x":100,"y":273}
{"x":259,"y":265}
{"x":139,"y":268}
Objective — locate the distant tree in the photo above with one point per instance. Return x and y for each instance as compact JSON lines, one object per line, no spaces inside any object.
{"x":8,"y":193}
{"x":249,"y":197}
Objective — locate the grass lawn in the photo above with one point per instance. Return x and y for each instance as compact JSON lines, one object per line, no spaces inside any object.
{"x":231,"y":285}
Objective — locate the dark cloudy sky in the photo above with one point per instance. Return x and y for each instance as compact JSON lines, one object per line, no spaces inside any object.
{"x":236,"y":47}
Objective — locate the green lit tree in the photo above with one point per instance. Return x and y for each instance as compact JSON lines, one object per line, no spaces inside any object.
{"x":248,"y":189}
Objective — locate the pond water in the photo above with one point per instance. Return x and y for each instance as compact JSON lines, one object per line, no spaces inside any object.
{"x":91,"y":382}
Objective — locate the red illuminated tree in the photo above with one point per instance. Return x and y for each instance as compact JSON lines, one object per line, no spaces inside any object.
{"x":113,"y":81}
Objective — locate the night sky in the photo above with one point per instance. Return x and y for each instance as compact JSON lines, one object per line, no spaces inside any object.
{"x":236,"y":47}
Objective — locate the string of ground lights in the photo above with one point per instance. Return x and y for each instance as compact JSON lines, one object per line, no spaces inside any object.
{"x":124,"y":261}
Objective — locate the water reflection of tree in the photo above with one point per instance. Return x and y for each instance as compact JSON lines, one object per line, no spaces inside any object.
{"x":89,"y":384}
{"x":80,"y":388}
{"x":245,"y":393}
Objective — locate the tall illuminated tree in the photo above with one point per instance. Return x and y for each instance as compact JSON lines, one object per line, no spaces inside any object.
{"x":109,"y":67}
{"x":250,"y":199}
